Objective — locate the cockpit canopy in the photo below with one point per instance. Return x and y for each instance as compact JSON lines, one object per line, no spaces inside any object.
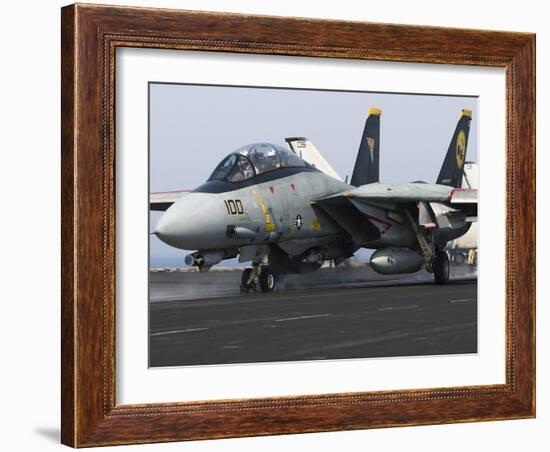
{"x":253,"y":160}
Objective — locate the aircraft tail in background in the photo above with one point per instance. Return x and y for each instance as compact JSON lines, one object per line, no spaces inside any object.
{"x":305,"y":149}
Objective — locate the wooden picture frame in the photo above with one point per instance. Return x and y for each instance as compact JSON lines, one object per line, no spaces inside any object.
{"x":90,"y":36}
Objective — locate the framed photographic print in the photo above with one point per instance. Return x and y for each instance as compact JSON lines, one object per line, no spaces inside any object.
{"x":281,"y":225}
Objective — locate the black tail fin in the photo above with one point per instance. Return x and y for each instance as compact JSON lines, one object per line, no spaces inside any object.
{"x":367,"y":164}
{"x":453,"y":166}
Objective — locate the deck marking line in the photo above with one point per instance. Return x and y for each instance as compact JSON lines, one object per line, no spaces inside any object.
{"x":462,"y":300}
{"x":398,"y":308}
{"x":190,"y":330}
{"x":316,"y":316}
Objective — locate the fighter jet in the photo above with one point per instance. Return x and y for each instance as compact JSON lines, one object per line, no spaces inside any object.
{"x":269,"y":206}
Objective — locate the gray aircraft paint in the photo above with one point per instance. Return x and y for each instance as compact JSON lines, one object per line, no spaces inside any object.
{"x":193,"y":127}
{"x":270,"y":210}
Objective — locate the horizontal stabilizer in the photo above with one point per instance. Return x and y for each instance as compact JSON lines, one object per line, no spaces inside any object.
{"x":464,"y":196}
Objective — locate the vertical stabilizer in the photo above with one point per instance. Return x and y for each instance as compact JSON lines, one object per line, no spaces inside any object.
{"x":367,"y":163}
{"x":452,"y":171}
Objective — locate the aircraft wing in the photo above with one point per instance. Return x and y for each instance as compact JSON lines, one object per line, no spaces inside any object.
{"x":407,"y":193}
{"x":385,"y":205}
{"x":161,"y":201}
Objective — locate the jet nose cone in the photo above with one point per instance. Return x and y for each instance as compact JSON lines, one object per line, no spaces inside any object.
{"x":167,"y":224}
{"x":193,"y":222}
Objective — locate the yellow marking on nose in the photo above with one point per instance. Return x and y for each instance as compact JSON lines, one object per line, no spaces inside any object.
{"x":262,"y":205}
{"x":269,"y":225}
{"x":316,"y":224}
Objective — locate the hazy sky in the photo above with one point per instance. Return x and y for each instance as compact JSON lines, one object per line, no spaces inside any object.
{"x":193,"y":127}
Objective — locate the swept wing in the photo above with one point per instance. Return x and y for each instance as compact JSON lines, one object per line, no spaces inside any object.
{"x":374,"y":210}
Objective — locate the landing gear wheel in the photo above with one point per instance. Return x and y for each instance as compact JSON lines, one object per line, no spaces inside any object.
{"x":267,"y":280}
{"x":442,"y":268}
{"x":245,"y":284}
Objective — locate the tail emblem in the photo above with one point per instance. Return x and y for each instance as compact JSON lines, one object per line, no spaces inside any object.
{"x":460,"y":148}
{"x":370,"y":144}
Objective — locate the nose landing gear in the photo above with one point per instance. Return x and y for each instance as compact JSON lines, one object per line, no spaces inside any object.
{"x":259,"y":276}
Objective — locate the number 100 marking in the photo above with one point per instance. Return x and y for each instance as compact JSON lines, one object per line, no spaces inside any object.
{"x":234,"y":207}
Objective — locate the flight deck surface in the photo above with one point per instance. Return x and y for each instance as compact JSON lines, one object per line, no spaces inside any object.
{"x":331,"y":314}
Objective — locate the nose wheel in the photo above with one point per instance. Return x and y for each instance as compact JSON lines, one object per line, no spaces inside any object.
{"x":258,"y":278}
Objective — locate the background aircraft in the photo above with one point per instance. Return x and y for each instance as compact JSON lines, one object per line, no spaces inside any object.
{"x":269,"y":206}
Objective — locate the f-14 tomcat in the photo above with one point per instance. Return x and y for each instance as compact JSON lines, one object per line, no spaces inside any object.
{"x":271,"y":206}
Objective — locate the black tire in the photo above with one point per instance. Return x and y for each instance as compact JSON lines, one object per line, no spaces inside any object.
{"x":267,"y":280}
{"x":245,"y":287}
{"x":442,"y":268}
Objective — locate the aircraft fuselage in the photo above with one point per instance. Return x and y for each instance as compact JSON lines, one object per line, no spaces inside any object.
{"x":275,"y":211}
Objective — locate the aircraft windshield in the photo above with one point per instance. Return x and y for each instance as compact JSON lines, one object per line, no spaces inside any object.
{"x":234,"y":168}
{"x":253,"y":160}
{"x":223,"y":169}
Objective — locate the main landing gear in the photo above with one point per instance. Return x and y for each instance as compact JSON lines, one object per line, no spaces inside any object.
{"x":436,"y":261}
{"x":441,"y":267}
{"x":259,"y":276}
